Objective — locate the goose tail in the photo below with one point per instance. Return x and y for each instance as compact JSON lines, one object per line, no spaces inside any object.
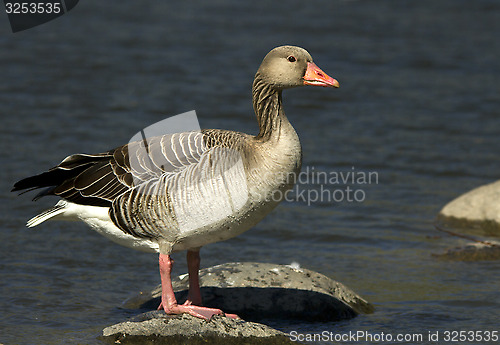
{"x":58,"y":208}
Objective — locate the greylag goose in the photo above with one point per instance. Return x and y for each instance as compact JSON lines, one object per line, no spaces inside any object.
{"x":211,"y":185}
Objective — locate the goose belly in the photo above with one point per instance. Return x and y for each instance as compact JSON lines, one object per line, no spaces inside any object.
{"x":226,"y":228}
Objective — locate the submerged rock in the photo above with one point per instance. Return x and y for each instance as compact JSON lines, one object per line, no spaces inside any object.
{"x":478,"y":211}
{"x":472,"y":252}
{"x":254,"y":291}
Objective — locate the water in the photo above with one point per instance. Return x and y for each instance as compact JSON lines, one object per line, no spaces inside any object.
{"x":418,"y":105}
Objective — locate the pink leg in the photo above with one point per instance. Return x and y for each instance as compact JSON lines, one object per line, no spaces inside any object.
{"x":193,"y":262}
{"x":168,"y":301}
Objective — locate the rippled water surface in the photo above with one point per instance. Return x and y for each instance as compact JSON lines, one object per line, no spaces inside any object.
{"x":418,"y":105}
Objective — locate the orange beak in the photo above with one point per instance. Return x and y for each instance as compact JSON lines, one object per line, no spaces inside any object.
{"x":315,"y":76}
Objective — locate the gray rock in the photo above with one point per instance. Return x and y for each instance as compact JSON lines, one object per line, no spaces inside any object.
{"x":477,"y":210}
{"x":257,"y":291}
{"x":254,"y":291}
{"x":186,"y":329}
{"x":476,"y":213}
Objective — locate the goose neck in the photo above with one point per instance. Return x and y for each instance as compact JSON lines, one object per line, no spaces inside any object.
{"x":268,"y":108}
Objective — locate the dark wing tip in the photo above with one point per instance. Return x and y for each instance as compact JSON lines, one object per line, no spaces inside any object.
{"x":25,"y":183}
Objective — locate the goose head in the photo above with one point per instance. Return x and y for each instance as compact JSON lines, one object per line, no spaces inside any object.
{"x":288,"y":66}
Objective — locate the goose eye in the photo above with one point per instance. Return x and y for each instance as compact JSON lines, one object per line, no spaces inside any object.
{"x":291,"y":58}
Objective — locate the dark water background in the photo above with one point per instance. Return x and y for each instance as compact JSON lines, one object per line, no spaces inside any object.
{"x":418,"y":104}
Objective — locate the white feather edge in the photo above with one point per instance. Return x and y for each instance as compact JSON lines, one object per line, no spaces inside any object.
{"x":98,"y":219}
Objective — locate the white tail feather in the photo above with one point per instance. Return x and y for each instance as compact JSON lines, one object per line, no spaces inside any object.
{"x":98,"y":219}
{"x":59,"y":208}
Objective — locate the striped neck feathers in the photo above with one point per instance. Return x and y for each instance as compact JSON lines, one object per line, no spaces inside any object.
{"x":268,"y":108}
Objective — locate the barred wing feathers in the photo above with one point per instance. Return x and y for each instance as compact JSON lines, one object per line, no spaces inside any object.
{"x":175,"y":205}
